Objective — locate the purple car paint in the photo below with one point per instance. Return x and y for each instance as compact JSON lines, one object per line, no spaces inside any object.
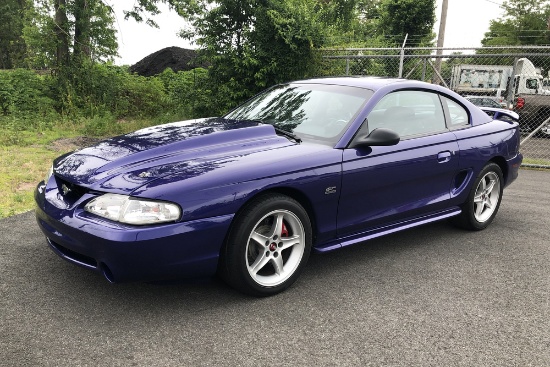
{"x":314,"y":153}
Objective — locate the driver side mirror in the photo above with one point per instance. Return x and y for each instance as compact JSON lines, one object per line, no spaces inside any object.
{"x":378,"y":137}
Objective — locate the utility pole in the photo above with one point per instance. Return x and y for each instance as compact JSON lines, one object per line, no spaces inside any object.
{"x":441,"y":37}
{"x":402,"y":58}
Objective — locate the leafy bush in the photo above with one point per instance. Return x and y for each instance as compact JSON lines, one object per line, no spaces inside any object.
{"x":96,"y":89}
{"x":24,"y":93}
{"x":189,"y":93}
{"x":101,"y":126}
{"x":6,"y":93}
{"x":145,"y":96}
{"x":97,"y":95}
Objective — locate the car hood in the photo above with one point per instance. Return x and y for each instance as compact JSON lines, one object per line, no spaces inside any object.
{"x":124,"y":163}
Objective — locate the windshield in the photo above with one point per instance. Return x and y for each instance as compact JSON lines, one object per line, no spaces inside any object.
{"x":314,"y":112}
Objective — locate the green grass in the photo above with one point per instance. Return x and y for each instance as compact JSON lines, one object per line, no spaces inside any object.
{"x":26,"y":156}
{"x":21,"y":168}
{"x":537,"y":162}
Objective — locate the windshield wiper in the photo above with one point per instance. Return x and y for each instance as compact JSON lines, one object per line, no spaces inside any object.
{"x":279,"y":131}
{"x":287,"y":134}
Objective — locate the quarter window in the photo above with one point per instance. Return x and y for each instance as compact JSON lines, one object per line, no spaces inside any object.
{"x":457,"y":114}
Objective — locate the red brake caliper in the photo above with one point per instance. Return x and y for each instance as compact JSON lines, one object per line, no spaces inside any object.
{"x":284,"y":231}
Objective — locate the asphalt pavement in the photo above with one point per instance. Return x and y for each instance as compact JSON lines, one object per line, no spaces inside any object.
{"x":430,"y":296}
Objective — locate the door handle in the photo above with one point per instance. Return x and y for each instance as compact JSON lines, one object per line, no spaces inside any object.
{"x":443,"y":157}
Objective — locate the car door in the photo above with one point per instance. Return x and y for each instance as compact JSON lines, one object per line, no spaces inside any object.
{"x":384,"y":184}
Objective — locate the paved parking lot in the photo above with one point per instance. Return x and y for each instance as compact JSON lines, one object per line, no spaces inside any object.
{"x":430,"y":296}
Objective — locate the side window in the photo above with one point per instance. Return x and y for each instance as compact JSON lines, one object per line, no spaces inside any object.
{"x":488,"y":102}
{"x":409,"y":113}
{"x":476,"y":101}
{"x":531,"y":84}
{"x":458,"y":115}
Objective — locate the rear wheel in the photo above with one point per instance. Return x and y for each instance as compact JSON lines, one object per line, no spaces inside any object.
{"x":267,"y":247}
{"x":483,"y":201}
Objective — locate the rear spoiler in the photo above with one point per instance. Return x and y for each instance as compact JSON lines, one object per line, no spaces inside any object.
{"x":500,"y":114}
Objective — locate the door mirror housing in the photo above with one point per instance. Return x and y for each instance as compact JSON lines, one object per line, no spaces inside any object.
{"x":378,"y":137}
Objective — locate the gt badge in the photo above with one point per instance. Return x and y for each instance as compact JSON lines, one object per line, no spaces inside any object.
{"x":330,"y":190}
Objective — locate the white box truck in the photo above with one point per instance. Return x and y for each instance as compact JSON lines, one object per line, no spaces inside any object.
{"x":494,"y":80}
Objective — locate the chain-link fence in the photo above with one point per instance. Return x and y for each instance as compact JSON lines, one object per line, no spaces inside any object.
{"x":516,"y":78}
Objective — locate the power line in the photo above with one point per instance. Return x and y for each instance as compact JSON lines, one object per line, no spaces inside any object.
{"x":492,"y":2}
{"x":523,"y":30}
{"x":493,"y":37}
{"x":503,"y":31}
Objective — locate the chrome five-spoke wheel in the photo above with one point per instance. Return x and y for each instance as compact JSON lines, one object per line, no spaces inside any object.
{"x":486,"y":197}
{"x":483,"y":202}
{"x":275,"y":248}
{"x":268,"y":245}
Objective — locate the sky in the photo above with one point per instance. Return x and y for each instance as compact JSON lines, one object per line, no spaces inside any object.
{"x":467,"y":22}
{"x":138,"y":40}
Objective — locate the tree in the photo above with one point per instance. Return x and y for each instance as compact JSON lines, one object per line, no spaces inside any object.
{"x":339,"y":14}
{"x":68,"y":32}
{"x":12,"y":44}
{"x":352,"y":23}
{"x":413,"y":17}
{"x":525,"y":22}
{"x":61,"y":30}
{"x":251,"y":44}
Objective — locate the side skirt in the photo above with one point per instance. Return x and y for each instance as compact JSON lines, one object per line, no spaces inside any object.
{"x":382,"y":231}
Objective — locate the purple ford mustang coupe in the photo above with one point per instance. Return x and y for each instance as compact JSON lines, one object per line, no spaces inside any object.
{"x":315,"y":164}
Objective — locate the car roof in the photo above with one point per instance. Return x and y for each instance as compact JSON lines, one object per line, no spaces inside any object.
{"x":376,"y":83}
{"x":369,"y":82}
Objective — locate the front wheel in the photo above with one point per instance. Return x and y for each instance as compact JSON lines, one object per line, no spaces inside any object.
{"x":483,"y":201}
{"x":545,"y":131}
{"x":267,"y":247}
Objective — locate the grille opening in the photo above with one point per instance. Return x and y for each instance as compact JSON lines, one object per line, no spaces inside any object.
{"x":71,"y":192}
{"x":75,"y":256}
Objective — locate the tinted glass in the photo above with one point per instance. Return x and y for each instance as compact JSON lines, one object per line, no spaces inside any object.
{"x":476,"y":101}
{"x":487,"y":102}
{"x":484,"y":102}
{"x":314,"y":112}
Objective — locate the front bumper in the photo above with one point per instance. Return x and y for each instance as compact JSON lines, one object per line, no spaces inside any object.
{"x":130,"y":253}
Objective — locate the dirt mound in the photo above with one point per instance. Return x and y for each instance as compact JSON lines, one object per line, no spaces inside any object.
{"x":68,"y":144}
{"x":175,"y":58}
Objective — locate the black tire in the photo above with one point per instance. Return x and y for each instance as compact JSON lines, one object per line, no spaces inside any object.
{"x":271,"y":261}
{"x":544,"y":132}
{"x":484,"y":199}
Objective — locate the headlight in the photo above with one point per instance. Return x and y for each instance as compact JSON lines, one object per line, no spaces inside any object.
{"x":126,"y":209}
{"x":49,"y":174}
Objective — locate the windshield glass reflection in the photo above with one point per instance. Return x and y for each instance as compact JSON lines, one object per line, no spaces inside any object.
{"x":311,"y":111}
